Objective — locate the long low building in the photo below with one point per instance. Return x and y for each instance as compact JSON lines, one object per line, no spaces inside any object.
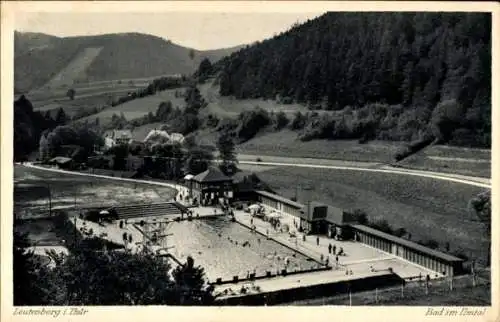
{"x":318,"y":218}
{"x":432,"y":259}
{"x":315,"y":217}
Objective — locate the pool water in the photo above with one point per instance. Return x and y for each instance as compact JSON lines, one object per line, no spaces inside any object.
{"x":225,"y":249}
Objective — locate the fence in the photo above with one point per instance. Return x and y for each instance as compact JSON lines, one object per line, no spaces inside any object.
{"x":459,"y":290}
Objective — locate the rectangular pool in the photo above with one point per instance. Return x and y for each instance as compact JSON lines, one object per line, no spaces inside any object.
{"x":225,"y":249}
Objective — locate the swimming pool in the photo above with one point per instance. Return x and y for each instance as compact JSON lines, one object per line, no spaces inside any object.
{"x":225,"y":249}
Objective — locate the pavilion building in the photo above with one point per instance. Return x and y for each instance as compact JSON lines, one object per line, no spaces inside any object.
{"x":210,"y":187}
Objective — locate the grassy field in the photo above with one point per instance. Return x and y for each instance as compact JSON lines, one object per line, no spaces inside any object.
{"x":75,"y":69}
{"x":139,"y":107}
{"x":230,"y":107}
{"x":427,"y":208}
{"x":414,"y":294}
{"x":452,"y":159}
{"x":219,"y":106}
{"x":286,"y":143}
{"x":71,"y":107}
{"x":31,"y":191}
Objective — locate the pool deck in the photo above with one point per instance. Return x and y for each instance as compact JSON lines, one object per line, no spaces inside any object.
{"x":288,"y":282}
{"x":358,"y":257}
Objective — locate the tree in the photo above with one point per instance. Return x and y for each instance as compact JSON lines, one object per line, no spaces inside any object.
{"x":299,"y":121}
{"x":120,"y":153}
{"x":281,"y":120}
{"x":480,"y":206}
{"x":446,"y":117}
{"x":28,"y":127}
{"x":32,"y":281}
{"x":205,"y":69}
{"x":194,"y":100}
{"x":164,"y":111}
{"x":44,"y":148}
{"x":61,"y":117}
{"x":190,"y":283}
{"x":71,"y":94}
{"x":197,"y":160}
{"x":225,"y":145}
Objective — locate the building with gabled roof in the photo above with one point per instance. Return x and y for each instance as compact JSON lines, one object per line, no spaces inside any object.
{"x":117,"y":137}
{"x":211,"y":187}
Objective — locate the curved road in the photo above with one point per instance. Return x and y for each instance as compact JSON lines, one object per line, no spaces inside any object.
{"x":340,"y":165}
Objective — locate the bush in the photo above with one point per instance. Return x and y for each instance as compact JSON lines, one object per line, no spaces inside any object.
{"x":431,"y":243}
{"x":382,"y":225}
{"x":280,"y":121}
{"x":413,"y":148}
{"x":299,"y":121}
{"x":360,"y":216}
{"x":400,"y":232}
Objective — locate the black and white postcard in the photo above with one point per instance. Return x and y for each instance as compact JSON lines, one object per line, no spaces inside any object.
{"x":248,"y":156}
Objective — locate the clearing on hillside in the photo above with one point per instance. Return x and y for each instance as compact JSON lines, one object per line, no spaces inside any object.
{"x":75,"y":69}
{"x":139,"y":107}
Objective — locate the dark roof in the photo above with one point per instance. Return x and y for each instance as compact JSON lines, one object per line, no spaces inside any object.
{"x":60,"y":160}
{"x":280,"y":198}
{"x":407,"y":243}
{"x":211,"y":175}
{"x":338,"y":216}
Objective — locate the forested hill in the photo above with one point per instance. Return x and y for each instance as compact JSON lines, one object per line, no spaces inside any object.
{"x":39,"y":57}
{"x":419,"y":61}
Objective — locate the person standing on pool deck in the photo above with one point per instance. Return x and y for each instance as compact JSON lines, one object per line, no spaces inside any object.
{"x":334,"y":249}
{"x":329,"y":248}
{"x":317,"y":241}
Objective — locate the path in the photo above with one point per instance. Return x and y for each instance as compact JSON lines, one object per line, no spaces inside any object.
{"x":296,"y":162}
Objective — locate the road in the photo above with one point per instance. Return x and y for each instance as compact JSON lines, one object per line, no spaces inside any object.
{"x":335,"y":165}
{"x":361,"y":166}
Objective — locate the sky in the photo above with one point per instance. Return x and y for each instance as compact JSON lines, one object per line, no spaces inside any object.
{"x":198,"y":30}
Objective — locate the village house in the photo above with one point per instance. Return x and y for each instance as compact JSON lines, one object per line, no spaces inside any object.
{"x":162,"y":136}
{"x":117,"y":137}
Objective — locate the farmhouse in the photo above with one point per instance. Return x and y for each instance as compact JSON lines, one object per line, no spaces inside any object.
{"x":210,"y":186}
{"x":157,"y":136}
{"x":161,"y":136}
{"x":177,"y":138}
{"x":117,"y":137}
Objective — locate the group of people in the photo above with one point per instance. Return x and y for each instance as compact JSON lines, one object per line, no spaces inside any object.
{"x":332,"y":249}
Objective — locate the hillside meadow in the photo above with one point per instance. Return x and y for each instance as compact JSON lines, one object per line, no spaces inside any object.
{"x":138,"y":107}
{"x":467,"y":161}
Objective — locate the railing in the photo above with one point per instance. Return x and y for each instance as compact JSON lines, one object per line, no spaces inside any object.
{"x":459,"y":290}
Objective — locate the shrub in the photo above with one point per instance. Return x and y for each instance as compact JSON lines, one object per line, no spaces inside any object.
{"x":360,"y":216}
{"x":431,"y":243}
{"x":251,"y":122}
{"x":400,"y":232}
{"x":280,"y":121}
{"x":382,"y":225}
{"x":299,"y":121}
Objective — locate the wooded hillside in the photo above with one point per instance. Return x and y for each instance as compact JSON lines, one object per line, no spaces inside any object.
{"x":429,"y":73}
